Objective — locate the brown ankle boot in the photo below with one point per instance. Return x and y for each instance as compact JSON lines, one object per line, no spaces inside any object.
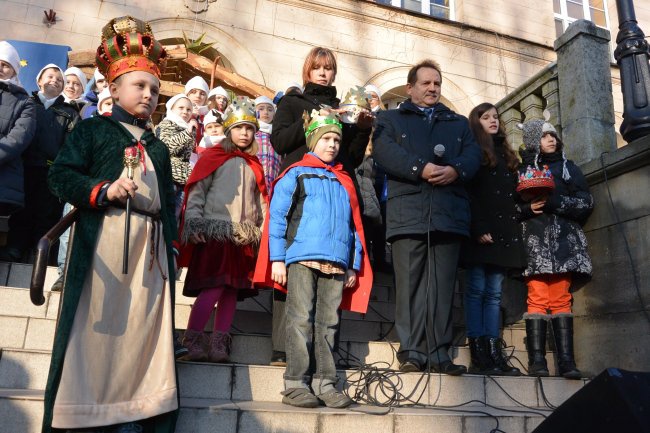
{"x":219,"y":347}
{"x":194,"y":341}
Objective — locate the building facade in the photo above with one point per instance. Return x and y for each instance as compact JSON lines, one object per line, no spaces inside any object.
{"x":486,"y":49}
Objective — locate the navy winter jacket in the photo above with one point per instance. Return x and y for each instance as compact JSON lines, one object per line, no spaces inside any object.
{"x":17,"y":128}
{"x":311,"y":219}
{"x":403,"y":144}
{"x":53,"y":126}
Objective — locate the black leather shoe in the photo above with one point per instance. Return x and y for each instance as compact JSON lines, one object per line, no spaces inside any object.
{"x":410,"y":366}
{"x":448,"y":367}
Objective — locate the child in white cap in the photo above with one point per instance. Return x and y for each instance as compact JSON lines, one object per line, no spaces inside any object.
{"x":75,"y":86}
{"x":54,"y":121}
{"x":270,"y":159}
{"x":178,"y":132}
{"x":197,"y":91}
{"x":94,"y":88}
{"x":17,"y":127}
{"x":218,"y":99}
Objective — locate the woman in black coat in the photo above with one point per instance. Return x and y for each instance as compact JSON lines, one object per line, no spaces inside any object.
{"x":288,"y":140}
{"x":495,"y":242}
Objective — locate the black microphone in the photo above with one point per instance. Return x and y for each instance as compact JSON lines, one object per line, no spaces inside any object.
{"x":439,"y":153}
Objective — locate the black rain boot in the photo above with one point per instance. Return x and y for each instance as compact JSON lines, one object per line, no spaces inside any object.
{"x":563,"y":334}
{"x":495,"y":350}
{"x":480,"y":359}
{"x":536,"y":346}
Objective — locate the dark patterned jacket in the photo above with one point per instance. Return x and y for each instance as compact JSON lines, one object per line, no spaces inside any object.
{"x":554,"y":240}
{"x":180,"y":143}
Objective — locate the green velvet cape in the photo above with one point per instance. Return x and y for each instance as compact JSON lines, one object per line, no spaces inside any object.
{"x":93,"y":154}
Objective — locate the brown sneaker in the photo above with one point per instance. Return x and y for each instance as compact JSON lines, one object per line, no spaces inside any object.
{"x":194,"y":341}
{"x":220,"y":344}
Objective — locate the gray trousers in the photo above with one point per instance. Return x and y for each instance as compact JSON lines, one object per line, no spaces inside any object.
{"x":312,"y":302}
{"x":425,"y":275}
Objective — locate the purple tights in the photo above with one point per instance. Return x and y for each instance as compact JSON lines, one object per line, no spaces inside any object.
{"x":226,"y":300}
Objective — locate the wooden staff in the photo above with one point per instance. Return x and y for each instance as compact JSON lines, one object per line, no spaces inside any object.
{"x":131,"y":159}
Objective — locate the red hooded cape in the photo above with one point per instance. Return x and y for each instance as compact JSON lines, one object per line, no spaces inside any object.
{"x":354,"y":299}
{"x":210,"y":161}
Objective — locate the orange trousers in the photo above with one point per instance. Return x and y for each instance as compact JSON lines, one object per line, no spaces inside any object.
{"x":549,"y":292}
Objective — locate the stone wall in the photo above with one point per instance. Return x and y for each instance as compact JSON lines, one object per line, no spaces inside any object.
{"x":612,"y":323}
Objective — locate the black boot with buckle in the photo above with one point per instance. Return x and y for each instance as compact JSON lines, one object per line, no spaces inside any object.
{"x":563,"y":335}
{"x":536,"y":346}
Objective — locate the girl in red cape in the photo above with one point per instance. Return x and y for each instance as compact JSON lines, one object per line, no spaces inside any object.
{"x":223,"y":213}
{"x":313,"y":244}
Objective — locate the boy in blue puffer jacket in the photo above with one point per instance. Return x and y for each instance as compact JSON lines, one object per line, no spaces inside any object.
{"x":315,"y":243}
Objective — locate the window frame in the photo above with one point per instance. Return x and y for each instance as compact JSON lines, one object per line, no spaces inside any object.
{"x":426,"y":8}
{"x":566,"y":20}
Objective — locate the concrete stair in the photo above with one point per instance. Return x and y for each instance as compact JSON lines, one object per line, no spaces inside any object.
{"x":244,"y":396}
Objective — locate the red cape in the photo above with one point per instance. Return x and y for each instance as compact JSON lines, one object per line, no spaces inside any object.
{"x":354,"y":299}
{"x":210,"y":161}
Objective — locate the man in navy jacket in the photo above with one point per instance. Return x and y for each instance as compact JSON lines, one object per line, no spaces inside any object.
{"x":427,"y":214}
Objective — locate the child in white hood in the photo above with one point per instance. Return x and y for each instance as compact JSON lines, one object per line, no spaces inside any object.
{"x":178,"y":132}
{"x":271,"y":161}
{"x":197,"y":91}
{"x":75,"y":86}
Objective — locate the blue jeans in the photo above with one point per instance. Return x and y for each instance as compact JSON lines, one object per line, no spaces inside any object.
{"x":483,"y":300}
{"x":312,"y":301}
{"x":63,"y":243}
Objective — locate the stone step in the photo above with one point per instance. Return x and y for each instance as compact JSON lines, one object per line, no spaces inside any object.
{"x":25,"y":409}
{"x":21,"y":369}
{"x":30,"y":333}
{"x":34,"y":325}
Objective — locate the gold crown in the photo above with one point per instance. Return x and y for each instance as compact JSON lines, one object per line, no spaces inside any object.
{"x":240,"y":110}
{"x":318,"y":125}
{"x":316,"y":120}
{"x":357,"y":96}
{"x":128,"y":45}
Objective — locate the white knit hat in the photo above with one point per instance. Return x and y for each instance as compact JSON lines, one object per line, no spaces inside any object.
{"x":49,"y":66}
{"x":263,"y":100}
{"x":9,"y":54}
{"x":73,"y":70}
{"x":197,"y":83}
{"x":103,"y":95}
{"x":370,"y":88}
{"x":98,"y":75}
{"x":219,"y":91}
{"x":212,"y":117}
{"x":170,"y":104}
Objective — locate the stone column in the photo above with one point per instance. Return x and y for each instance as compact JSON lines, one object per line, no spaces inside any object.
{"x":510,"y":118}
{"x":551,"y":92}
{"x":533,"y":107}
{"x":585,"y":85}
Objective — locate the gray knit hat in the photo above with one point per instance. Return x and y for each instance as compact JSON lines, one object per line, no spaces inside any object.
{"x":533,"y":131}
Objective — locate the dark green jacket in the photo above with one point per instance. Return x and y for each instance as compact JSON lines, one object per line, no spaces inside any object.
{"x":93,"y":154}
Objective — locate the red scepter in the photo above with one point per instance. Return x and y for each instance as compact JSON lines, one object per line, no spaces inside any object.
{"x":131,"y":159}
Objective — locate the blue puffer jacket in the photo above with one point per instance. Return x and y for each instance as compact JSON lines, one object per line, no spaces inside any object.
{"x":311,"y":219}
{"x":17,"y":128}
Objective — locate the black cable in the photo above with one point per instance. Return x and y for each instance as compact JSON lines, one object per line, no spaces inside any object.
{"x":625,"y":241}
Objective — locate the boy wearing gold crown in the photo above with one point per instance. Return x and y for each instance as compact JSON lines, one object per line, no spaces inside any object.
{"x":313,"y":245}
{"x":112,"y":366}
{"x":225,"y":204}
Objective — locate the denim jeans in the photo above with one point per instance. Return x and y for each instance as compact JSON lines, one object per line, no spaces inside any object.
{"x":63,"y":242}
{"x":312,"y":301}
{"x":483,"y":300}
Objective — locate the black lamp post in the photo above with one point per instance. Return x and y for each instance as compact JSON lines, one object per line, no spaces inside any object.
{"x":632,"y":55}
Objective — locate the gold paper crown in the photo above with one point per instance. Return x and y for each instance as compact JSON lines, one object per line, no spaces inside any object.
{"x":317,"y":125}
{"x":316,"y":120}
{"x":128,"y":45}
{"x":240,"y":110}
{"x":357,"y":96}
